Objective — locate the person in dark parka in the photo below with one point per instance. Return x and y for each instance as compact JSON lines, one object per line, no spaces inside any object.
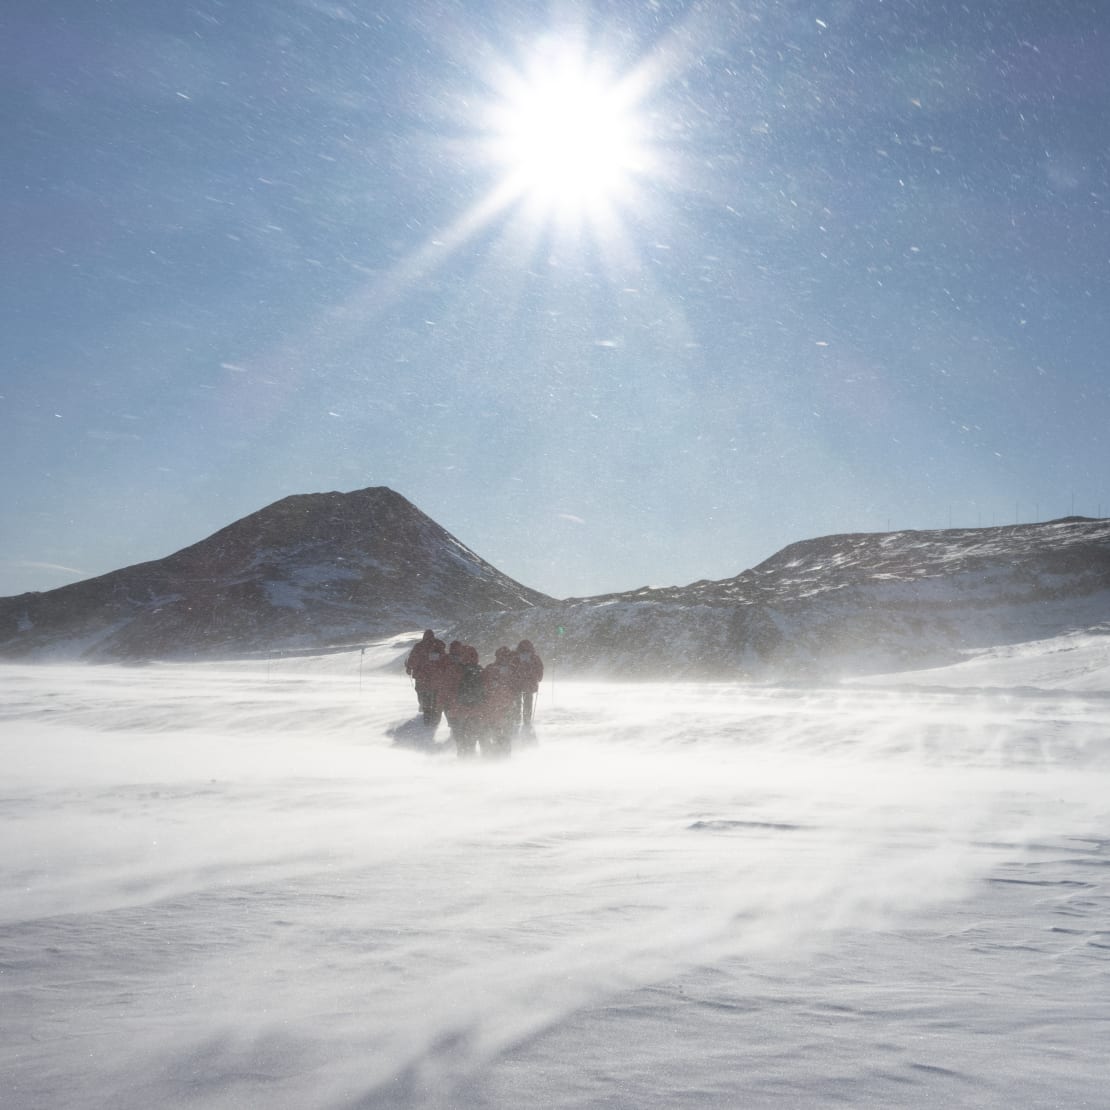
{"x":423,"y":666}
{"x":528,"y":673}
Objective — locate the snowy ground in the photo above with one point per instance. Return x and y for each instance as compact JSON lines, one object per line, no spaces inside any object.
{"x":224,"y":886}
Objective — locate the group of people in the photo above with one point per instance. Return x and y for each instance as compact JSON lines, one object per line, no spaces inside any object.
{"x":484,"y":706}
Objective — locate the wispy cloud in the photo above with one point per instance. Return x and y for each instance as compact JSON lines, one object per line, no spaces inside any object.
{"x":30,"y":564}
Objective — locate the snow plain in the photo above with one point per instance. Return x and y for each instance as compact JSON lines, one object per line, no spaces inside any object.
{"x":226,"y":886}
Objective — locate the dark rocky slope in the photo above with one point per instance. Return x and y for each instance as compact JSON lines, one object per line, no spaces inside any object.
{"x":307,"y":571}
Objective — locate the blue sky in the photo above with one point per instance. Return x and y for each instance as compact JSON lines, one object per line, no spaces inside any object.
{"x":855,"y":277}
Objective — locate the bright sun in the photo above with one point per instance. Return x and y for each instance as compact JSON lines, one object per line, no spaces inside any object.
{"x":568,"y":137}
{"x":573,"y":150}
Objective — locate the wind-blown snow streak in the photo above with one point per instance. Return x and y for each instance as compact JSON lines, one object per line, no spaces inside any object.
{"x":223,"y":886}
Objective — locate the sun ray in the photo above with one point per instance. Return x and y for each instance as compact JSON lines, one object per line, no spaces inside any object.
{"x":566,"y":136}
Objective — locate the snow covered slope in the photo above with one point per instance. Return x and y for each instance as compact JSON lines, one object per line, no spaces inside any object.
{"x":1077,"y":661}
{"x":222,"y":887}
{"x":849,"y":604}
{"x":309,"y":570}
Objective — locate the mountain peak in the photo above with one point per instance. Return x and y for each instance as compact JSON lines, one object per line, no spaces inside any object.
{"x":309,"y":570}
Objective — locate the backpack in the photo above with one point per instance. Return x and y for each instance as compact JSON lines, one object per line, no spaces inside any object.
{"x":471,"y":690}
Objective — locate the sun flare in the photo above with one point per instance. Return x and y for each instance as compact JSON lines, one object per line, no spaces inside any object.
{"x":568,"y":137}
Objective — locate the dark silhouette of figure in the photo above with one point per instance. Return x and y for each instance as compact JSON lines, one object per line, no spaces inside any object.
{"x":423,"y":665}
{"x":528,"y":671}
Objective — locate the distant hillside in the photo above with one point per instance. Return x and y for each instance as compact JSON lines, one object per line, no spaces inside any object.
{"x":323,"y":570}
{"x":312,"y":570}
{"x":848,"y":604}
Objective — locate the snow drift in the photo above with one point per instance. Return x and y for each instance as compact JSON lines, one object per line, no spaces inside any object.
{"x":221,"y":886}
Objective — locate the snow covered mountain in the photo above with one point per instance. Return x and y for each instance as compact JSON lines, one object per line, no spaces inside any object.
{"x":846,"y":604}
{"x":308,"y":571}
{"x":328,"y":569}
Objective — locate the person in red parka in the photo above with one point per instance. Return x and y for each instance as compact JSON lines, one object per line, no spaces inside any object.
{"x":528,"y":673}
{"x":423,"y":665}
{"x":499,"y":711}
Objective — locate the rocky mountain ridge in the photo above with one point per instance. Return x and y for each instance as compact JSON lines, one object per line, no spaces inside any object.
{"x":320,"y":571}
{"x":837,"y":605}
